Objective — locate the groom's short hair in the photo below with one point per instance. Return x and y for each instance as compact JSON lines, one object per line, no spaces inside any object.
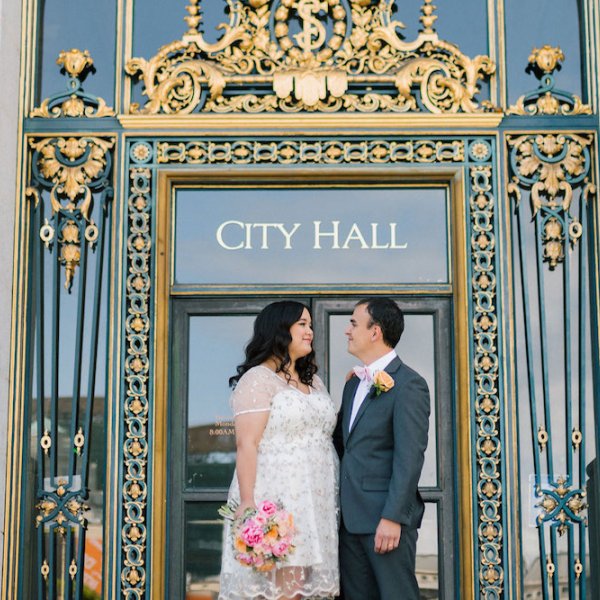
{"x":388,"y":315}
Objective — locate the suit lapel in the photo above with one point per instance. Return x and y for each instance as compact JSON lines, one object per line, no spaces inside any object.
{"x":391,"y":369}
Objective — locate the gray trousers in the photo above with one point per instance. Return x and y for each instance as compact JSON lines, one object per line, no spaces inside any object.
{"x":366,"y":575}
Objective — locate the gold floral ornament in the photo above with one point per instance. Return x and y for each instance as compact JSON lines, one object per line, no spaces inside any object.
{"x":547,"y":99}
{"x":561,"y":504}
{"x":74,"y":102}
{"x":71,"y":169}
{"x":310,"y":55}
{"x":551,"y":167}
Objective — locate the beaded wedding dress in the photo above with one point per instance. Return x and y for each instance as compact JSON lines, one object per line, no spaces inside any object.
{"x":297,"y":466}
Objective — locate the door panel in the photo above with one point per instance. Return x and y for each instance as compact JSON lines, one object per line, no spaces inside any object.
{"x":207,"y":343}
{"x":426,"y":346}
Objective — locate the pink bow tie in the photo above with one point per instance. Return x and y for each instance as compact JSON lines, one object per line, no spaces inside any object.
{"x":363,"y":373}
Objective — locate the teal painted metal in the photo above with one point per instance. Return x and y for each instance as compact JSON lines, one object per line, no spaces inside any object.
{"x":474,"y":154}
{"x":62,"y":481}
{"x":555,"y":231}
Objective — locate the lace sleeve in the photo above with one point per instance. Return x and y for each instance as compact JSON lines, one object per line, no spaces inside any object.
{"x":322,"y":388}
{"x":254,"y":392}
{"x":318,"y":384}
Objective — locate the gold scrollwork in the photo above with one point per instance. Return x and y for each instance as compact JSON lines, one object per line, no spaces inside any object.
{"x":547,"y":100}
{"x":45,"y":570}
{"x":330,"y":152}
{"x":551,"y":166}
{"x":46,"y":442}
{"x":337,"y":61}
{"x":70,"y":168}
{"x":79,"y":441}
{"x":542,"y":437}
{"x":73,"y":570}
{"x":74,"y":102}
{"x":576,"y":438}
{"x":550,"y":568}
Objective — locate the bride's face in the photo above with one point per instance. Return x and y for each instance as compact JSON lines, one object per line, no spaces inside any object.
{"x":302,"y":336}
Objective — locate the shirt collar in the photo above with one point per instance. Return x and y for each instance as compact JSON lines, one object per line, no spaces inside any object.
{"x":382,"y":362}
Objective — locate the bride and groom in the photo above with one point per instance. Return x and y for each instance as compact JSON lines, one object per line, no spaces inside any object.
{"x":348,"y":477}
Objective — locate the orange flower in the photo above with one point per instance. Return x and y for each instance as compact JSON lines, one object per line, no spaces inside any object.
{"x":240,"y":546}
{"x":267,"y":566}
{"x":382,"y":382}
{"x":272,"y":533}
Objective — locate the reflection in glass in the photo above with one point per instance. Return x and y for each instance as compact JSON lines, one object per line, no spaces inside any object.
{"x":216,"y":348}
{"x":533,"y":24}
{"x":427,"y":566}
{"x":358,"y":235}
{"x":203,"y":543}
{"x":416,"y":349}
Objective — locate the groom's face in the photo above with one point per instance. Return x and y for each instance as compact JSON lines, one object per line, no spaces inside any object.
{"x":360,"y":332}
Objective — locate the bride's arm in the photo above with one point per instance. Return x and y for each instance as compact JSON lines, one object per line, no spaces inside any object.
{"x":249,"y":429}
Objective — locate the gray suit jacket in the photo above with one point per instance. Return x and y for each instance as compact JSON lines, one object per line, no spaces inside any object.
{"x":381,"y":458}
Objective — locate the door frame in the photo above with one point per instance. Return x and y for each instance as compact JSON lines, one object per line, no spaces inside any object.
{"x":455,"y":177}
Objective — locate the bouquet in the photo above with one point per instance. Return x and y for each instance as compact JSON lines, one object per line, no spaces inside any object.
{"x":261,"y":537}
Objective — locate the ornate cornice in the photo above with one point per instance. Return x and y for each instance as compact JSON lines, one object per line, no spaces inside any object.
{"x":310,"y":55}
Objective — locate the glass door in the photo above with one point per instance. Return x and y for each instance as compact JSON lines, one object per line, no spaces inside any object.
{"x":426,"y":346}
{"x":207,"y":341}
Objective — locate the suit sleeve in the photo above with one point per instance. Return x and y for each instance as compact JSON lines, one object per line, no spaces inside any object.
{"x":411,"y":428}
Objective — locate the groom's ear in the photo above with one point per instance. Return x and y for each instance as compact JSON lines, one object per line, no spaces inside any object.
{"x":376,"y":333}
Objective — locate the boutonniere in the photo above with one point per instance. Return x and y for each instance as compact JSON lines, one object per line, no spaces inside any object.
{"x":382,"y":382}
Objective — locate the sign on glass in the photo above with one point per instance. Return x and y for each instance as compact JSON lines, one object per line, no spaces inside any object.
{"x":351,"y":235}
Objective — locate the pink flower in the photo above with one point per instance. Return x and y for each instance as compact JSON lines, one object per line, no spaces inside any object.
{"x":280,"y":548}
{"x":267,"y":508}
{"x":260,"y":519}
{"x":245,"y":559}
{"x":251,"y":534}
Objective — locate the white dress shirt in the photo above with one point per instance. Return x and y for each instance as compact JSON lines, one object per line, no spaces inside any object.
{"x":364,"y":386}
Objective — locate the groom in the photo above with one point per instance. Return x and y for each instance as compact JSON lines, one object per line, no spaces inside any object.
{"x":381,"y":436}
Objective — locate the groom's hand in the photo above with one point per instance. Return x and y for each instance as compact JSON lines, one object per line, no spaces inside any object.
{"x":387,"y":536}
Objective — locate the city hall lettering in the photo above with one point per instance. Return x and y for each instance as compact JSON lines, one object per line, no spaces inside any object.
{"x":238,"y":235}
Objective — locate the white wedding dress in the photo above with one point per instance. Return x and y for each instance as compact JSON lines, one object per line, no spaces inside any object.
{"x":298,"y":466}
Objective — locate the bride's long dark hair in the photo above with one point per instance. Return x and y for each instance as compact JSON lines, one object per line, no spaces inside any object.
{"x":272,"y":338}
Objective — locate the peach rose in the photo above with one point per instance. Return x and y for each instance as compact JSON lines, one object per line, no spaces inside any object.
{"x":382,"y":382}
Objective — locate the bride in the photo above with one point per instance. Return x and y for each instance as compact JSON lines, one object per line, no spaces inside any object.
{"x":284,"y":419}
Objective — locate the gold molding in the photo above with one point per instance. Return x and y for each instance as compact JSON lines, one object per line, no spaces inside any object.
{"x":302,"y":123}
{"x":506,"y":273}
{"x":157,"y":559}
{"x":462,"y":392}
{"x":15,"y":429}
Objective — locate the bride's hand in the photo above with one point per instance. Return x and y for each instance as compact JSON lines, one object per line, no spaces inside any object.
{"x":349,"y":375}
{"x":243,"y":507}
